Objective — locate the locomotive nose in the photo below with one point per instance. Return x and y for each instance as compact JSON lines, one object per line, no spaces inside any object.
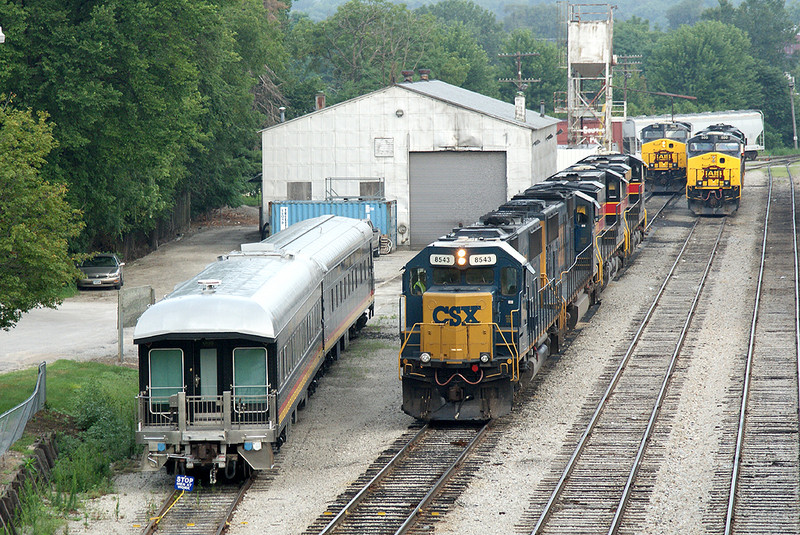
{"x":457,"y":326}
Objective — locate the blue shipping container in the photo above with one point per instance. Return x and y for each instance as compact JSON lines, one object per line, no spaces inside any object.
{"x":383,"y":214}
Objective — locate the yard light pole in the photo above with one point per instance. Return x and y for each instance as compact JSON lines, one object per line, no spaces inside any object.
{"x":791,"y":99}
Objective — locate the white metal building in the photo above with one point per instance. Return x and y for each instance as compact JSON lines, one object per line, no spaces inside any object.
{"x":447,"y":155}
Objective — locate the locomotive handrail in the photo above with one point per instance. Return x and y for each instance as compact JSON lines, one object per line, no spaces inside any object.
{"x":627,"y":228}
{"x":599,"y":255}
{"x":512,"y":347}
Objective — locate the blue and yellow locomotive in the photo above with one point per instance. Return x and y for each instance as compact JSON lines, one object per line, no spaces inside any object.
{"x":715,"y":170}
{"x":487,"y":303}
{"x":664,"y":154}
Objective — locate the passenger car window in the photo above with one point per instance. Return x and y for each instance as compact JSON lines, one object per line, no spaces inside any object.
{"x":166,"y":374}
{"x":249,"y":371}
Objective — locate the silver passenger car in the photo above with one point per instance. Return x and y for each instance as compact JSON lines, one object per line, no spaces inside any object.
{"x":228,"y":357}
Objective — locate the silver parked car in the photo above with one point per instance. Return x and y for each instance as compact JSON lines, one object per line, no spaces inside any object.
{"x":101,"y":270}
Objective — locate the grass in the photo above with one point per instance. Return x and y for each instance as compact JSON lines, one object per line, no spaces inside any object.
{"x":65,"y":380}
{"x":100,"y":401}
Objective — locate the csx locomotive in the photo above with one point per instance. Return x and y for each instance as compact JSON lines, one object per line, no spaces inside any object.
{"x":226,"y":360}
{"x":487,"y":303}
{"x":664,"y":154}
{"x":715,"y":170}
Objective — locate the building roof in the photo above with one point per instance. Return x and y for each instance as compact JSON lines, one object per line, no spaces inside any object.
{"x":456,"y":96}
{"x":465,"y":98}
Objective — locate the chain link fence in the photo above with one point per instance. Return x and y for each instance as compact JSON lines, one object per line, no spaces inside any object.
{"x":12,"y":422}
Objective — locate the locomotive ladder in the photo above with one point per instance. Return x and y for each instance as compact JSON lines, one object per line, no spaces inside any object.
{"x":763,"y":496}
{"x":592,"y":492}
{"x":204,"y":511}
{"x":392,"y":499}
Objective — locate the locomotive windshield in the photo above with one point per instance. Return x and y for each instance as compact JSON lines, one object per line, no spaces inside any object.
{"x":701,"y":146}
{"x":654,"y":133}
{"x":679,"y":135}
{"x":446,"y":276}
{"x":480,"y":276}
{"x":730,"y":147}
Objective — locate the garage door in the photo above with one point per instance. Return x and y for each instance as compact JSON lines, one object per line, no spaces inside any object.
{"x":448,"y":188}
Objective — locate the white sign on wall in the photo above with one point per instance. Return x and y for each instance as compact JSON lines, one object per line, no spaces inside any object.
{"x":384,"y":147}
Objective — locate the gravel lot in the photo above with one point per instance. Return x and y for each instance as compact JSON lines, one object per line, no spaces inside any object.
{"x":355,"y":414}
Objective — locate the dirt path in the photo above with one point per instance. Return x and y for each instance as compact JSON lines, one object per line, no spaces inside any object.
{"x":84,"y":327}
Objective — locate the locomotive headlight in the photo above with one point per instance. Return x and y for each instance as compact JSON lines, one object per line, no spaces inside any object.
{"x":425,"y":358}
{"x":484,"y":357}
{"x":461,"y":257}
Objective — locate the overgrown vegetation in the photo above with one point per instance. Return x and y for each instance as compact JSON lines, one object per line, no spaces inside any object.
{"x":100,"y":402}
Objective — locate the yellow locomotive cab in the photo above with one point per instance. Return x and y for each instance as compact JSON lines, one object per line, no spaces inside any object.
{"x":456,"y":326}
{"x":664,"y":155}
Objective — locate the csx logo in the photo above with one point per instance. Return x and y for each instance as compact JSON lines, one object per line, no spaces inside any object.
{"x":455,"y":316}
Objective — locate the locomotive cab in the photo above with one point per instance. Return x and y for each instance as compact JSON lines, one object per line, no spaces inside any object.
{"x":664,"y":153}
{"x":467,"y":309}
{"x":715,"y":172}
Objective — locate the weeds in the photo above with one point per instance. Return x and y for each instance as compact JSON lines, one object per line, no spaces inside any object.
{"x":34,"y":512}
{"x":104,"y":412}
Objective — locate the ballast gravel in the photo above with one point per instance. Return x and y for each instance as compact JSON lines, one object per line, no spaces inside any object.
{"x":355,"y":413}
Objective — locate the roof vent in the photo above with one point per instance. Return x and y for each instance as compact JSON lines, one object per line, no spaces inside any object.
{"x":519,"y":106}
{"x":408,"y":76}
{"x":209,"y":285}
{"x":424,"y":74}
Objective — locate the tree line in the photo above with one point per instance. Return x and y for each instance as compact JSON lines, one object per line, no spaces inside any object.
{"x":110,"y":110}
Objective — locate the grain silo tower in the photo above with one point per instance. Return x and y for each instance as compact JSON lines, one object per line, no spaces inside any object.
{"x":590,"y":61}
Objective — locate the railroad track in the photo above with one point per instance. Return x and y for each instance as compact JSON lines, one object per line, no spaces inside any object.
{"x":402,"y":484}
{"x":590,"y":495}
{"x":762,"y":490}
{"x":203,"y":511}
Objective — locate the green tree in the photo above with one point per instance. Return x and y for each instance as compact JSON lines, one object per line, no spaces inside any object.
{"x":118,"y":79}
{"x":771,"y":96}
{"x":231,"y":54}
{"x":684,"y":12}
{"x":368,"y":43}
{"x":456,"y":58}
{"x":708,"y":61}
{"x":541,"y":19}
{"x":633,"y":37}
{"x":36,"y":222}
{"x":478,"y":21}
{"x":766,"y":22}
{"x":150,"y":99}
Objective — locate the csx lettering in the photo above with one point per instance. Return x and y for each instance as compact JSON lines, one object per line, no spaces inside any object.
{"x":455,"y":316}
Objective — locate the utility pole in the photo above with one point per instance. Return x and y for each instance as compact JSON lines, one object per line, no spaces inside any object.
{"x":791,"y":99}
{"x":628,"y":65}
{"x":519,"y":81}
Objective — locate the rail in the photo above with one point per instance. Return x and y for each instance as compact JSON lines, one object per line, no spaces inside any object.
{"x":13,"y":421}
{"x":572,"y":462}
{"x":759,"y":418}
{"x":405,"y":485}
